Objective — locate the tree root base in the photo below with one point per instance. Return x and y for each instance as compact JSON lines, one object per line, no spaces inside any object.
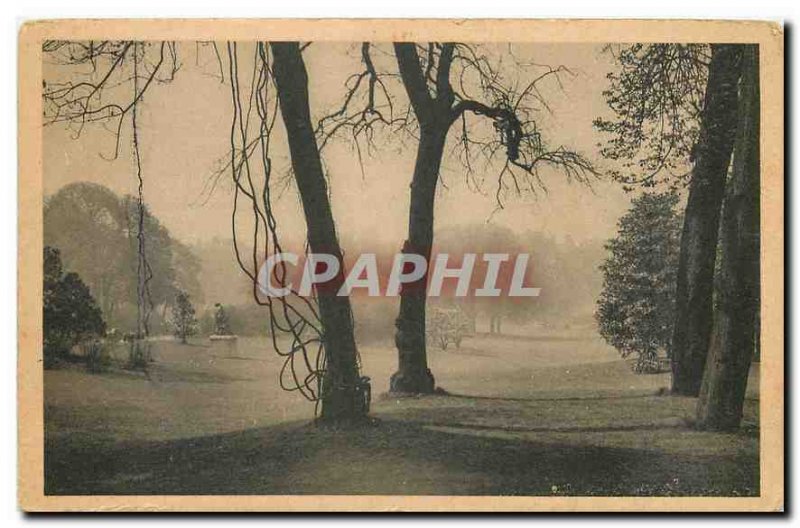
{"x":408,"y":382}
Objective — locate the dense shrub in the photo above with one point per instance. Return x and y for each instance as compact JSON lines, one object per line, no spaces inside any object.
{"x":636,"y":309}
{"x":183,"y":317}
{"x":71,"y":315}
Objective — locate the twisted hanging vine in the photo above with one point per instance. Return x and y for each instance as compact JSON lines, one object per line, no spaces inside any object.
{"x":144,"y":273}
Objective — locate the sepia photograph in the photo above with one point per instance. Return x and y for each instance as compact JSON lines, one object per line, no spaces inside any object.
{"x":411,"y":265}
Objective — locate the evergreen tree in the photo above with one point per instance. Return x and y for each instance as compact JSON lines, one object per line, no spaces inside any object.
{"x":636,"y":309}
{"x":183,"y":317}
{"x":71,"y":314}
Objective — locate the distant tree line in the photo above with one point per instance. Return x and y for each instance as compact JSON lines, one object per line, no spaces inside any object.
{"x":95,"y":232}
{"x":564,"y":269}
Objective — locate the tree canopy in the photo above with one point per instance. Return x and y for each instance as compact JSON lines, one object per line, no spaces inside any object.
{"x":96,"y":232}
{"x":70,"y":312}
{"x":636,"y":308}
{"x":656,"y":97}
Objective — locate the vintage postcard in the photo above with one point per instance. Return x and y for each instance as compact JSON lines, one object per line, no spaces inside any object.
{"x":401,"y":265}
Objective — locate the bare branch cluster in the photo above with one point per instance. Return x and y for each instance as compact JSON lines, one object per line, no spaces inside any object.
{"x":100,"y":74}
{"x":446,"y":83}
{"x":512,"y":104}
{"x":367,"y":105}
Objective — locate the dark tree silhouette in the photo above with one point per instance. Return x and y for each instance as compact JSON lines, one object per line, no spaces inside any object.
{"x":712,"y":157}
{"x":322,"y":341}
{"x":340,"y":382}
{"x":446,"y":83}
{"x":635,"y":311}
{"x":184,"y":321}
{"x":660,"y":128}
{"x":437,"y":106}
{"x":735,"y":329}
{"x":695,"y":285}
{"x":71,"y":314}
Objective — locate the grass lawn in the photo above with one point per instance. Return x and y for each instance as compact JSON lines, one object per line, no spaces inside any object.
{"x":522,"y":416}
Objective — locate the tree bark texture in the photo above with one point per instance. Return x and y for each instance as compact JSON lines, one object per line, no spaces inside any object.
{"x":339,"y":387}
{"x":725,"y":380}
{"x":695,"y":283}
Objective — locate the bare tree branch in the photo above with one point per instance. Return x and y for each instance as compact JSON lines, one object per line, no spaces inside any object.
{"x":78,"y":103}
{"x":413,"y":79}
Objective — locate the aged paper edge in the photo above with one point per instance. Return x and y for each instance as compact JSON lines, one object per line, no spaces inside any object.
{"x":768,"y":35}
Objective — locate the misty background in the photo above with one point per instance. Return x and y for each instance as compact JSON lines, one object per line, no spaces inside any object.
{"x":185,"y":144}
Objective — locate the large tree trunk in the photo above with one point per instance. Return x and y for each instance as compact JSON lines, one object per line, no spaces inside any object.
{"x":725,"y":380}
{"x":695,"y":283}
{"x":339,"y":387}
{"x":413,"y":374}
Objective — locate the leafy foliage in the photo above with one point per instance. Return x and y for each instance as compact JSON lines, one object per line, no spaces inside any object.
{"x":96,"y":231}
{"x":71,"y":314}
{"x":635,"y":311}
{"x":657,"y":99}
{"x":183,"y":317}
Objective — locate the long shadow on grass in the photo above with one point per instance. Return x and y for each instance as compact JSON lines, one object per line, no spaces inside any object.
{"x":385,"y":458}
{"x":672,"y":424}
{"x":594,"y":397}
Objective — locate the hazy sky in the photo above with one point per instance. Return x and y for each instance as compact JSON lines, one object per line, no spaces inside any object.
{"x":185,"y":127}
